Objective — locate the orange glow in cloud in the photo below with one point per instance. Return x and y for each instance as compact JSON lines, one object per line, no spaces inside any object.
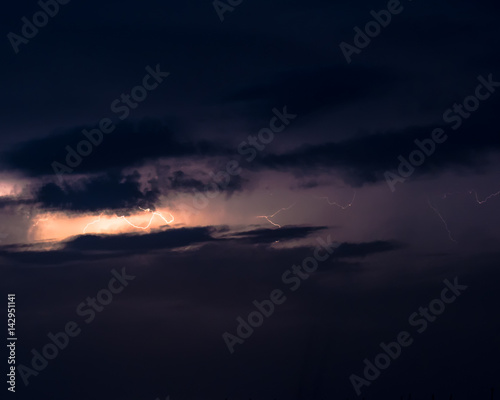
{"x":10,"y":187}
{"x":59,"y":226}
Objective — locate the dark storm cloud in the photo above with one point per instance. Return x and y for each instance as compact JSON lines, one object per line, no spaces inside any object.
{"x":132,"y":144}
{"x":7,"y":201}
{"x":115,"y":191}
{"x":180,"y":181}
{"x":128,"y":145}
{"x":168,"y":239}
{"x":103,"y":247}
{"x":111,"y":191}
{"x":273,"y":235}
{"x":109,"y":60}
{"x":181,"y":237}
{"x":365,"y":159}
{"x":306,"y":91}
{"x":361,"y":159}
{"x":345,"y":250}
{"x":353,"y":250}
{"x":93,"y":247}
{"x":270,"y":72}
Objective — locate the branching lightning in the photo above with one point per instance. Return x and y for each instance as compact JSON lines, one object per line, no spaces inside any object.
{"x":40,"y":220}
{"x":92,"y":223}
{"x":470,"y":192}
{"x":150,"y":221}
{"x":486,"y":199}
{"x":153,"y":213}
{"x":268,"y":217}
{"x":332,"y":203}
{"x":442,"y":219}
{"x":480,"y":202}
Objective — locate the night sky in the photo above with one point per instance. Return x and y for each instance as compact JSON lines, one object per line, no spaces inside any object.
{"x":251,"y":199}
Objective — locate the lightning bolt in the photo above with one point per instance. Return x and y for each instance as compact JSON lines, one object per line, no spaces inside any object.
{"x":332,"y":203}
{"x":486,"y":199}
{"x":92,"y":223}
{"x":150,"y":221}
{"x":444,"y":196}
{"x":40,"y":220}
{"x":442,"y":219}
{"x":133,"y":225}
{"x":268,"y":217}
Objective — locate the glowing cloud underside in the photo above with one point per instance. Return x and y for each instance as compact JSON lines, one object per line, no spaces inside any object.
{"x":59,"y":226}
